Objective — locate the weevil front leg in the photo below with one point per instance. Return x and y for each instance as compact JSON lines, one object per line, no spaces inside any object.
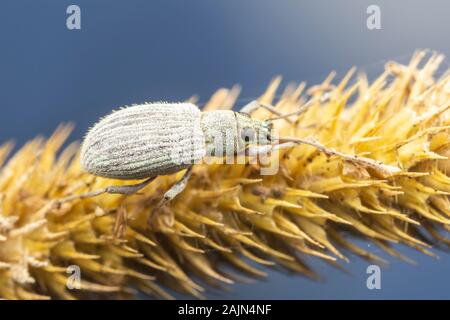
{"x":257,"y":150}
{"x":255,"y":105}
{"x":176,"y":189}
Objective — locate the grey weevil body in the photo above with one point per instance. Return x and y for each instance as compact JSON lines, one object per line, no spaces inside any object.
{"x":153,"y":139}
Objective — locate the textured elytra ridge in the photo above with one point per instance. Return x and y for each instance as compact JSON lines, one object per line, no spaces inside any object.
{"x":230,"y":214}
{"x":143,"y":141}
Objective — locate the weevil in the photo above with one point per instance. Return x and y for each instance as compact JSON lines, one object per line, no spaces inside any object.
{"x":149,"y":140}
{"x":153,"y":139}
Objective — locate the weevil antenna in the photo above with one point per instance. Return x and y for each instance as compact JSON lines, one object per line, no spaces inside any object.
{"x":287,"y":115}
{"x":379,"y":166}
{"x":302,"y":109}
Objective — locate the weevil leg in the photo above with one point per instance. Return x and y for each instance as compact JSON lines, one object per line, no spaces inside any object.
{"x":176,"y":189}
{"x":284,"y":145}
{"x":255,"y":105}
{"x":253,"y":151}
{"x":264,"y":149}
{"x":127,"y":190}
{"x":256,"y":150}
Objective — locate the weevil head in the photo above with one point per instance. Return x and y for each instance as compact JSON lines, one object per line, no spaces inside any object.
{"x":228,"y":133}
{"x":252,"y":131}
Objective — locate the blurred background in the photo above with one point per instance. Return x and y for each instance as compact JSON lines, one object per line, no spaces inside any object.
{"x":134,"y":51}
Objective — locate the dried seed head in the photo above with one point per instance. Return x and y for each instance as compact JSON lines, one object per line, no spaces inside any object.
{"x":230,"y":214}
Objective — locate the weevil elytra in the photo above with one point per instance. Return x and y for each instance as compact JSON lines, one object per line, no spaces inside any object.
{"x":149,"y":140}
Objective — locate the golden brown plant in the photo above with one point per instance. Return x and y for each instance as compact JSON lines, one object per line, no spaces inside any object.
{"x":230,"y":214}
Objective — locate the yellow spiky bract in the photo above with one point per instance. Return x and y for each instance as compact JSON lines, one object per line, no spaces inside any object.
{"x":230,"y":214}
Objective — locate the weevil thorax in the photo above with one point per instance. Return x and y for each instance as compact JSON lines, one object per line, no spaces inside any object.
{"x":227,"y":132}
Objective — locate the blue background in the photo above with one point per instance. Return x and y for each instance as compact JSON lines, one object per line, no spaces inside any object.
{"x":135,"y":51}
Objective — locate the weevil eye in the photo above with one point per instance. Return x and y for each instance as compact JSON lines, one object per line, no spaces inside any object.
{"x":248,"y":134}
